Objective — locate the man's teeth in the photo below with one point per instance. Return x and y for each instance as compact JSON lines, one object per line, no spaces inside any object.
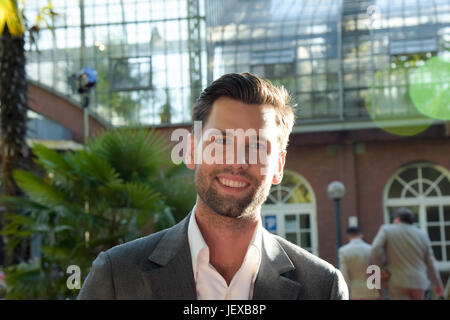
{"x":232,"y":183}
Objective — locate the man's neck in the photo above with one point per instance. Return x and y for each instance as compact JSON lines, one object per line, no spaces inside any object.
{"x":227,"y":238}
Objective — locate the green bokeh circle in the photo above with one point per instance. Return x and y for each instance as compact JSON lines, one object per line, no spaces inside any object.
{"x":383,"y":108}
{"x":430,"y":88}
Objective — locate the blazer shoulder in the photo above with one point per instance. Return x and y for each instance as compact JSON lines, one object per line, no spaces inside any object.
{"x":422,"y":233}
{"x":304,"y":259}
{"x":344,"y":248}
{"x":135,"y":250}
{"x":138,"y":252}
{"x":318,"y":279}
{"x":387,"y":229}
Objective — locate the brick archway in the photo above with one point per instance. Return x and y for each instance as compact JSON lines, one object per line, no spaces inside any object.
{"x":61,"y":110}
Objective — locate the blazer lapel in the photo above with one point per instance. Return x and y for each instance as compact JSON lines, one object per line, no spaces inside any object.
{"x":272,"y":282}
{"x":168,"y":272}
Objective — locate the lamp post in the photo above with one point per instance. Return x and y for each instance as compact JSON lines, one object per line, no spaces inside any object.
{"x":336,"y":190}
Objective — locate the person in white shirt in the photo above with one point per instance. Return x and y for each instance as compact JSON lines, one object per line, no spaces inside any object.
{"x":220,"y":250}
{"x":355,"y":258}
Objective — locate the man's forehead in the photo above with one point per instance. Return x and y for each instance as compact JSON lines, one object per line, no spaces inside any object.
{"x":228,"y":113}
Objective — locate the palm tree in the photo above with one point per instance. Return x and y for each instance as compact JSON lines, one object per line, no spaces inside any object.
{"x":84,"y":202}
{"x":13,"y":97}
{"x":13,"y":94}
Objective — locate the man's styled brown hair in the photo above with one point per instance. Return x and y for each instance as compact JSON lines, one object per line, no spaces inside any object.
{"x":249,"y":89}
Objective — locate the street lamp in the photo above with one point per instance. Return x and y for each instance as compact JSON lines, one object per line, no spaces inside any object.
{"x":336,"y":190}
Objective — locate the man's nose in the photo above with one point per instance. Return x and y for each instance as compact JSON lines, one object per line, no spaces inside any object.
{"x":238,"y":155}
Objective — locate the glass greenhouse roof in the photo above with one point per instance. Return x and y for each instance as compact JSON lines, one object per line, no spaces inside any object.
{"x":342,"y":60}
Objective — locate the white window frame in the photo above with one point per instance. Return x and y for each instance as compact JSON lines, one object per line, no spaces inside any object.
{"x":421,"y":201}
{"x":280,"y":210}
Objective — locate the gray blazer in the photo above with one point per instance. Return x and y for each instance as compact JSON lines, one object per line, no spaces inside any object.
{"x":406,"y":252}
{"x":159,"y":266}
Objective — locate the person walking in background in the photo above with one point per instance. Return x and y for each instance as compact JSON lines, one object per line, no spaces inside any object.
{"x":355,"y":258}
{"x":405,"y":251}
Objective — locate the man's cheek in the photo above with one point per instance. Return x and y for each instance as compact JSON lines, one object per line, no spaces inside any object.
{"x":267,"y":164}
{"x":267,"y":172}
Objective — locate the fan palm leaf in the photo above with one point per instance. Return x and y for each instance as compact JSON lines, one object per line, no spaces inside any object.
{"x":149,"y":150}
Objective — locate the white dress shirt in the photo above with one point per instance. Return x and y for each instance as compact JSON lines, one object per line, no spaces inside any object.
{"x":210,"y":284}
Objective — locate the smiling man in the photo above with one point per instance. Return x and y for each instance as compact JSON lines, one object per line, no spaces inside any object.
{"x":220,"y":250}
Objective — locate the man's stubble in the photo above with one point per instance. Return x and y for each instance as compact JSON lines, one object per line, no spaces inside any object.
{"x":243,"y":208}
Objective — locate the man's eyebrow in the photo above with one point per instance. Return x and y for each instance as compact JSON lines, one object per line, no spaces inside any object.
{"x":255,"y":137}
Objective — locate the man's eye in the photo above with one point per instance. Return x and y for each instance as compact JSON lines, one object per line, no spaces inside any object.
{"x":222,"y":140}
{"x":257,"y":145}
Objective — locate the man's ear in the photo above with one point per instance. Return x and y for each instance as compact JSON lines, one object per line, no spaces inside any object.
{"x":190,"y":152}
{"x":278,"y":175}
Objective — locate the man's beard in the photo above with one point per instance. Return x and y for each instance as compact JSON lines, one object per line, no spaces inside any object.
{"x":230,"y":206}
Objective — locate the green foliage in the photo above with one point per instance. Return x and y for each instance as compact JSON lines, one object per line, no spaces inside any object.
{"x":388,"y":99}
{"x":124,"y":104}
{"x":178,"y":187}
{"x":166,"y":111}
{"x":150,"y":154}
{"x":120,"y":187}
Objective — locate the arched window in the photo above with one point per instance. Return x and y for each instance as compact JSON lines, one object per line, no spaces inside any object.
{"x":290,"y":211}
{"x":425,"y":188}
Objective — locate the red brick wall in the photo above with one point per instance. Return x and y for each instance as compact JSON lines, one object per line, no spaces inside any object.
{"x":364,"y":175}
